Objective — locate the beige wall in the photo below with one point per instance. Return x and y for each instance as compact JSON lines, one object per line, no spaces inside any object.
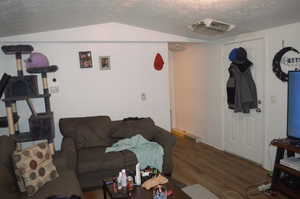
{"x":197,"y":92}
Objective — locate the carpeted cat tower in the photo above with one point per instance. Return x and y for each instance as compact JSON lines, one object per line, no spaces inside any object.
{"x":25,"y":88}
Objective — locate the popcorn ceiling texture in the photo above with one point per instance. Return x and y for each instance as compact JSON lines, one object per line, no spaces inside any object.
{"x":170,"y":16}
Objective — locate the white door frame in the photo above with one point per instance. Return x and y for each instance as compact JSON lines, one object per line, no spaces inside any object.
{"x":223,"y":83}
{"x":172,"y":90}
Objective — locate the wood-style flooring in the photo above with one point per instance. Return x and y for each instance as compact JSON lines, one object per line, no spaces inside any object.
{"x":225,"y":175}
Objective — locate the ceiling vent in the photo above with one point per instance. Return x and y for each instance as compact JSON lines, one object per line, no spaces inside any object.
{"x":175,"y":47}
{"x":211,"y":27}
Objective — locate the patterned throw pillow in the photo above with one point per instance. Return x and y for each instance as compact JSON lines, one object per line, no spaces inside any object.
{"x":34,"y":167}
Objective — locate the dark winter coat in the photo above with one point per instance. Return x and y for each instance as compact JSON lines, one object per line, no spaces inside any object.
{"x":241,"y":89}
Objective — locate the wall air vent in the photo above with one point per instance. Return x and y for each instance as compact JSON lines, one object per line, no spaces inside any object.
{"x":211,"y":27}
{"x":175,"y":47}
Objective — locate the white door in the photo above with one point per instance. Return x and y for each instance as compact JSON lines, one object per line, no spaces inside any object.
{"x":244,"y":133}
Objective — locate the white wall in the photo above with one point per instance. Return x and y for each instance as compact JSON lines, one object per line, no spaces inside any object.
{"x":275,"y":111}
{"x":117,"y":93}
{"x":200,"y":101}
{"x":197,"y":92}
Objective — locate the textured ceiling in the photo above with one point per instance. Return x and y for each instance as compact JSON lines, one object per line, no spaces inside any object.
{"x":170,"y":16}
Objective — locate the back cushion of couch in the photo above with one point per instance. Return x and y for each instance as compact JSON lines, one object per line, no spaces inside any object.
{"x":87,"y":131}
{"x":129,"y":128}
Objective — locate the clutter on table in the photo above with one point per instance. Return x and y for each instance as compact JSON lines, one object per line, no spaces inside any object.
{"x":148,"y":178}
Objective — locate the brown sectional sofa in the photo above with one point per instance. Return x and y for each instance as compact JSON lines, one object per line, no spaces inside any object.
{"x":87,"y":137}
{"x":66,"y":184}
{"x":82,"y":162}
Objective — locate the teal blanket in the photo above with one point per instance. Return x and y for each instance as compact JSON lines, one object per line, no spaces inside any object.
{"x":147,"y":153}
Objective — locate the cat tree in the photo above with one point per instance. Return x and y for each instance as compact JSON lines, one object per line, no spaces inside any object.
{"x":24,"y":88}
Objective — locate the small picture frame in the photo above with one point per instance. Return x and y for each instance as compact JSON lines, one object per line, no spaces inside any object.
{"x":85,"y":59}
{"x":104,"y":62}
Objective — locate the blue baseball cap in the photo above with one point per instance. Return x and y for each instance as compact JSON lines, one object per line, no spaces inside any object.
{"x":233,"y":55}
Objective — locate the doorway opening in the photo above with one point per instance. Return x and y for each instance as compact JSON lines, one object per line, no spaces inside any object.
{"x":195,"y":88}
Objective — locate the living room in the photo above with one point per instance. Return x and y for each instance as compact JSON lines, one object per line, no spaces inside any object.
{"x":133,"y":87}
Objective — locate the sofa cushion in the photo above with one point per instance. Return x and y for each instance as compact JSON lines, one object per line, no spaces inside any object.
{"x":65,"y":185}
{"x":88,"y":136}
{"x":87,"y":131}
{"x":34,"y":167}
{"x":129,"y":128}
{"x":95,"y":159}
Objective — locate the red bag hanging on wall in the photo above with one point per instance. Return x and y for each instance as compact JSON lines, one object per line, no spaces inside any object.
{"x":158,"y":62}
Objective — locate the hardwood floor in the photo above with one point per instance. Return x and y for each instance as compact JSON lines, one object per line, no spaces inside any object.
{"x":224,"y":174}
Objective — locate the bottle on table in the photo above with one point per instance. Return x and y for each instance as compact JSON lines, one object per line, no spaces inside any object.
{"x":137,"y":174}
{"x":120,"y":181}
{"x":124,"y":179}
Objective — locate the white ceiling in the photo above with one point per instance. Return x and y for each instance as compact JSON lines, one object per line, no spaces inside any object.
{"x":170,"y":16}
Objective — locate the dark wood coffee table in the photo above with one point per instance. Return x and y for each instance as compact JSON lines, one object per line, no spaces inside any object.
{"x":140,"y":193}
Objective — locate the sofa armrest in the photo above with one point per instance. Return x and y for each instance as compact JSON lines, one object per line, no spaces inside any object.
{"x":69,"y":153}
{"x":60,"y":161}
{"x":167,"y":141}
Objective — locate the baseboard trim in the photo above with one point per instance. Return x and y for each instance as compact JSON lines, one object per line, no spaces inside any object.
{"x":179,"y":132}
{"x":197,"y":139}
{"x":183,"y":133}
{"x":194,"y":137}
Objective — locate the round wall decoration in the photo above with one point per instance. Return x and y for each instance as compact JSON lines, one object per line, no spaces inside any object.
{"x":281,"y":64}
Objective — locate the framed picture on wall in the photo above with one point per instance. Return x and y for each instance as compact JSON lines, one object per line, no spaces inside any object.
{"x":104,"y":62}
{"x":85,"y":59}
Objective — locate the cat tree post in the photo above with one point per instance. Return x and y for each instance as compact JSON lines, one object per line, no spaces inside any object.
{"x":11,"y":123}
{"x":20,"y":73}
{"x":15,"y":112}
{"x":19,"y":64}
{"x":47,"y":105}
{"x":46,"y":92}
{"x":10,"y":119}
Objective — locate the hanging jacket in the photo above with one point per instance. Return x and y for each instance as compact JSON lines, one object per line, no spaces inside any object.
{"x":241,"y":89}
